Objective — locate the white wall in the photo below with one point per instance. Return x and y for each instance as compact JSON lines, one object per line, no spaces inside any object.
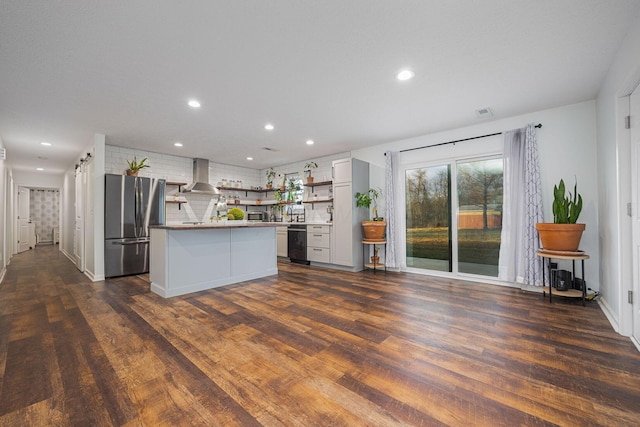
{"x":5,"y":225}
{"x":94,"y":212}
{"x":67,"y":202}
{"x":37,"y":179}
{"x":567,"y":147}
{"x":614,"y":169}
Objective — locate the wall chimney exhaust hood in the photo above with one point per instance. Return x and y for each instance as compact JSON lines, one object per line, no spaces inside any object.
{"x":200,"y":183}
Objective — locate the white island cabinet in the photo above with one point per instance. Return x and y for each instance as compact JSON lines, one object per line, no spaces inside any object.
{"x":192,"y":258}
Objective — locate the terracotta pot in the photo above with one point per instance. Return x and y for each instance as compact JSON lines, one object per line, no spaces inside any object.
{"x":374,"y":231}
{"x":560,"y":237}
{"x":132,"y":173}
{"x":309,"y":180}
{"x":375,"y":260}
{"x":269,"y":186}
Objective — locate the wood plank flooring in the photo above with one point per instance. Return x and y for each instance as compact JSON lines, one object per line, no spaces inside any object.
{"x":310,"y":347}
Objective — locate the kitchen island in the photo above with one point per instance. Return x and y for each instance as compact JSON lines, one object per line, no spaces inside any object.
{"x":191,"y":258}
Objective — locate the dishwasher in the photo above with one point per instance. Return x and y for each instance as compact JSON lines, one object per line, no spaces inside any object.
{"x":297,"y":243}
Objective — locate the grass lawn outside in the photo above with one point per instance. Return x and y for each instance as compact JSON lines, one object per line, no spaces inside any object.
{"x":475,"y":246}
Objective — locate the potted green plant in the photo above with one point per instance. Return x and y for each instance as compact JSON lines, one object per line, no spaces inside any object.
{"x":292,"y":188}
{"x":283,"y":184}
{"x":374,"y":230}
{"x":308,"y":167}
{"x":564,"y":233}
{"x":375,"y":258}
{"x":135,"y":166}
{"x":270,"y":175}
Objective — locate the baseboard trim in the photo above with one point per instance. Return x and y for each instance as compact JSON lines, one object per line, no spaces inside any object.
{"x":68,"y":255}
{"x":606,"y":309}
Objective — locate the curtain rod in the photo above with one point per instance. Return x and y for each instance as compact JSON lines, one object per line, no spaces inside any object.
{"x":539,"y":125}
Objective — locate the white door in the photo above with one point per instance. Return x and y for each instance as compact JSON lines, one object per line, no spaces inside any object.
{"x":78,"y":235}
{"x":635,"y":199}
{"x":23,"y":219}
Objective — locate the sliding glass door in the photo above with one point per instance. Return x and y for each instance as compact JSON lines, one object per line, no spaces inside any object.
{"x":479,"y":186}
{"x":428,"y":196}
{"x":454,"y":216}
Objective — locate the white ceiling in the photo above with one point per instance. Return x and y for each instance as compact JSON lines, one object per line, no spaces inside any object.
{"x":323,"y":70}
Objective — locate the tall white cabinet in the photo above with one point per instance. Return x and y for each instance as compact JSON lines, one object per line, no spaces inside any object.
{"x":349,"y":177}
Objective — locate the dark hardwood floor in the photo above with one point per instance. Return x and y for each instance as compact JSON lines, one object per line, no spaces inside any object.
{"x":310,"y":347}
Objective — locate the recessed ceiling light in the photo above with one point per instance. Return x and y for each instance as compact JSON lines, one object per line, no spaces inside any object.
{"x":268,"y":126}
{"x":39,"y":169}
{"x":193,"y":103}
{"x":249,"y":158}
{"x":405,"y":75}
{"x":309,"y":142}
{"x":46,"y":144}
{"x":178,"y":144}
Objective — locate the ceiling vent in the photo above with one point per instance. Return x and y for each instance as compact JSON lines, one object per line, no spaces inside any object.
{"x":484,"y":112}
{"x":269,"y":149}
{"x":3,"y":154}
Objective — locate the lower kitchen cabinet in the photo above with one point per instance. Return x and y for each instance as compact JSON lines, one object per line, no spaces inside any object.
{"x":281,"y":239}
{"x":319,"y":243}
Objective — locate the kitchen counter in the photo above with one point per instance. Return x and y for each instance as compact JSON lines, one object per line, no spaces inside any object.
{"x":186,"y":258}
{"x":221,"y":224}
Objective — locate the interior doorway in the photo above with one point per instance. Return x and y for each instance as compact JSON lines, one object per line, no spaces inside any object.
{"x":26,"y":229}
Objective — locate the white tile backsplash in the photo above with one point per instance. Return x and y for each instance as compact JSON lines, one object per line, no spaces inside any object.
{"x":200,"y":207}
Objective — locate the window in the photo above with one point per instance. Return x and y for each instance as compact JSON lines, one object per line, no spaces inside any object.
{"x":468,"y":242}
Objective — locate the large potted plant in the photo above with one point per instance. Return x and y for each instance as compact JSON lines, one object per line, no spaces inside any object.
{"x":374,"y":230}
{"x":135,"y":166}
{"x":564,"y":233}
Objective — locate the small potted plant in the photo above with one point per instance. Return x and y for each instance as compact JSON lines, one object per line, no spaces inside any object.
{"x":564,"y":233}
{"x":270,"y":175}
{"x":283,"y":184}
{"x":374,"y":230}
{"x":308,"y":167}
{"x":135,"y":166}
{"x":375,"y":259}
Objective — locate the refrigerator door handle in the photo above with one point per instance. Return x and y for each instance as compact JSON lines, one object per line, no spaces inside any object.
{"x":132,"y":242}
{"x":138,"y":207}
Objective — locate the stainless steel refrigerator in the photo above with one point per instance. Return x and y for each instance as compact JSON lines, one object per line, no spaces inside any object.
{"x":131,"y":205}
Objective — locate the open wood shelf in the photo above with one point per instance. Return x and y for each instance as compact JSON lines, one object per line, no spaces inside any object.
{"x":318,"y":184}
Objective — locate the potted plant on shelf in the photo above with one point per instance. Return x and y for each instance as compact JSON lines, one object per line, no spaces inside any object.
{"x":283,"y":184}
{"x":270,"y":175}
{"x":564,"y":233}
{"x":292,"y":188}
{"x":135,"y":166}
{"x":374,"y":230}
{"x":308,"y":167}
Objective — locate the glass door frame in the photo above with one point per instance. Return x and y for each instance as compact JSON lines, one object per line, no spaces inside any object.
{"x":453,"y":208}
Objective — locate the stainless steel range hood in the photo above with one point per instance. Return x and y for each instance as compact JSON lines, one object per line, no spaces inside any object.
{"x":200,"y":183}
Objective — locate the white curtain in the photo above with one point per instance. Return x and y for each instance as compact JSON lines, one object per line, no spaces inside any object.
{"x":390,"y":209}
{"x":522,"y":209}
